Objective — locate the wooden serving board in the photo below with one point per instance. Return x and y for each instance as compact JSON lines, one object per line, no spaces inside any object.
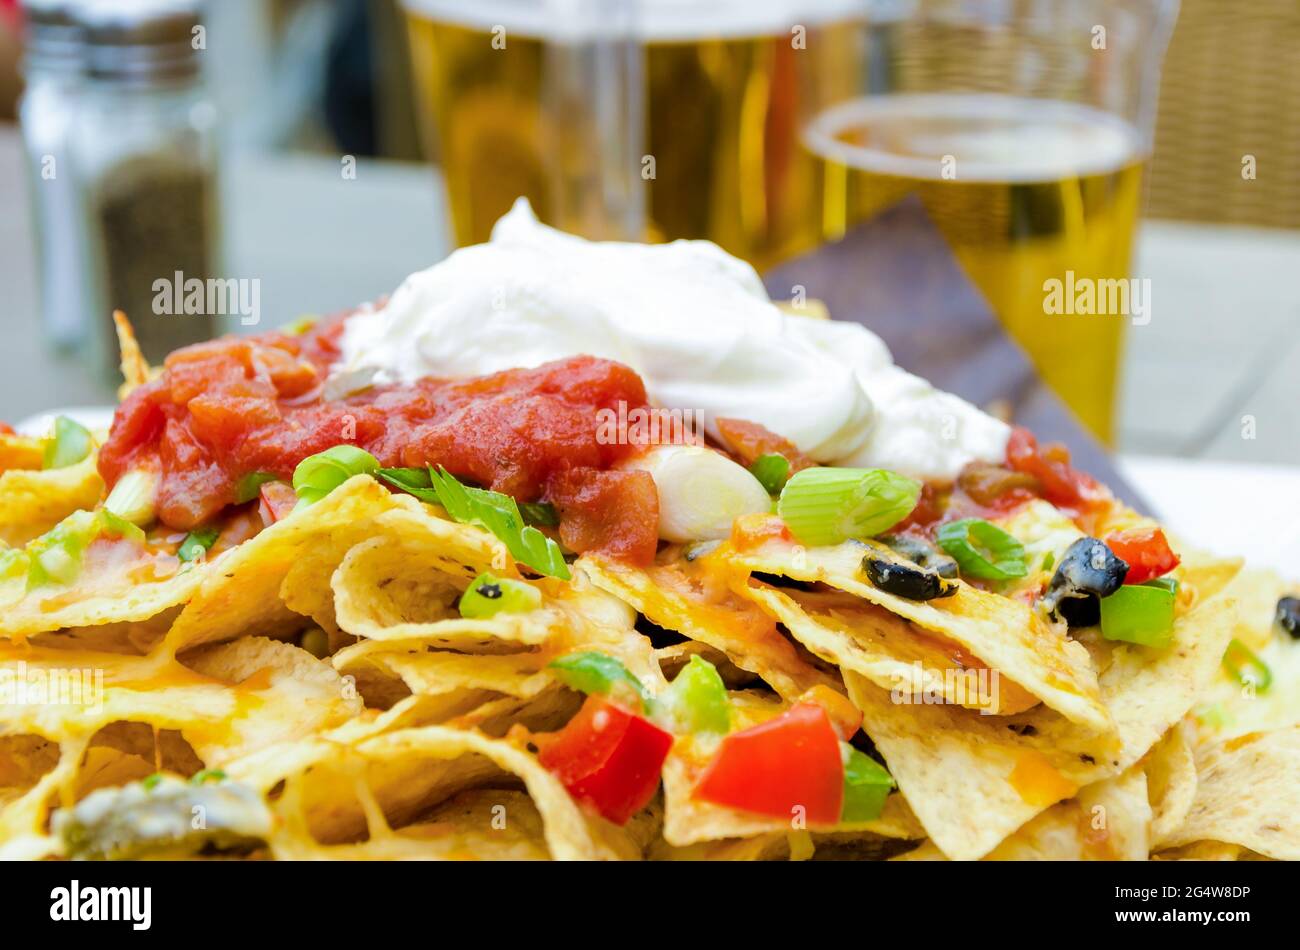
{"x":895,"y":275}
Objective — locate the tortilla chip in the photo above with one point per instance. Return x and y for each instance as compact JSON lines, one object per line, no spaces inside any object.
{"x":1108,"y":821}
{"x":135,"y":368}
{"x":20,"y":451}
{"x":689,"y":821}
{"x":32,"y":501}
{"x":1248,"y":794}
{"x":1171,"y":782}
{"x":706,"y":610}
{"x":403,"y":774}
{"x":1004,"y":634}
{"x":240,"y":589}
{"x":887,"y":650}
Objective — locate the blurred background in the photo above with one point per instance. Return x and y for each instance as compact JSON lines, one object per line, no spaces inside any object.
{"x":327,"y":149}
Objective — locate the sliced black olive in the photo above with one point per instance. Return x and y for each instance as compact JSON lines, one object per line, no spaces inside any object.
{"x":906,"y":580}
{"x":1288,"y":615}
{"x":1080,"y":611}
{"x":914,"y":549}
{"x":1088,"y":572}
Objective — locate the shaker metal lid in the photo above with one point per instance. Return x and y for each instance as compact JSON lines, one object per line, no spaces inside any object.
{"x":141,"y":39}
{"x":52,"y":34}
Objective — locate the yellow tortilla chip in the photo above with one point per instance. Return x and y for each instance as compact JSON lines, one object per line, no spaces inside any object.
{"x":32,"y":501}
{"x":952,"y":763}
{"x":705,"y":609}
{"x":1003,"y":633}
{"x":1108,"y":821}
{"x":1248,"y":793}
{"x":240,"y":589}
{"x":399,"y":775}
{"x":887,"y":650}
{"x":1171,"y":782}
{"x":689,"y":821}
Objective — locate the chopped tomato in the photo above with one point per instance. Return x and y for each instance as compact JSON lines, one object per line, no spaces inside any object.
{"x":777,"y":767}
{"x":275,"y":501}
{"x":1062,"y":485}
{"x":844,"y":716}
{"x":929,"y":510}
{"x":1146,"y":552}
{"x":616,"y":512}
{"x":608,"y":757}
{"x":230,"y":407}
{"x":749,"y":440}
{"x":996,"y":487}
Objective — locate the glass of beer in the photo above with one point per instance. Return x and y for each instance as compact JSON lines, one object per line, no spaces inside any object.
{"x":634,"y":119}
{"x":1023,"y":128}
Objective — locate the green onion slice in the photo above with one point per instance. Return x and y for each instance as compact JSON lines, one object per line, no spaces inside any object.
{"x":867,"y":784}
{"x":207,"y":775}
{"x":197,"y":543}
{"x":1245,"y":667}
{"x":490,"y":595}
{"x":318,"y":475}
{"x":55,"y":556}
{"x":593,"y":672}
{"x":983,"y":550}
{"x":540,"y":513}
{"x":70,"y":443}
{"x":413,"y":481}
{"x":246,"y":488}
{"x":500,"y":515}
{"x":772,"y":471}
{"x":134,"y":497}
{"x":1139,"y":613}
{"x":829,"y":505}
{"x":696,"y":700}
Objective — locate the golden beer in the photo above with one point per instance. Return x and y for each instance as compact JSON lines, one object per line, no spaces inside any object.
{"x":719,"y":120}
{"x":1024,"y":191}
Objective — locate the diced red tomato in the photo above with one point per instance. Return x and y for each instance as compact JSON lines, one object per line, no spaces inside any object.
{"x":232,"y":406}
{"x":779,"y":766}
{"x":608,"y":757}
{"x":749,"y":440}
{"x":276,"y":500}
{"x":1145,"y":550}
{"x":616,"y":512}
{"x":844,"y":716}
{"x":1061,"y":485}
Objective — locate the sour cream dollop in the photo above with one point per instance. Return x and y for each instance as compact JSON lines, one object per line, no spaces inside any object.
{"x":693,"y":321}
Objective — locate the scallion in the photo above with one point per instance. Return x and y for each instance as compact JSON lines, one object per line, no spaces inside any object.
{"x":772,"y":471}
{"x":70,"y":443}
{"x":247,"y":488}
{"x":983,"y":550}
{"x":197,"y":543}
{"x":490,"y":595}
{"x":696,"y":700}
{"x":500,"y":515}
{"x":1245,"y":667}
{"x":828,"y":505}
{"x":592,"y":672}
{"x":318,"y":475}
{"x":135,"y":496}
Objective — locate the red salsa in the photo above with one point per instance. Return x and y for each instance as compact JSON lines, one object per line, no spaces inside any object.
{"x":237,"y":406}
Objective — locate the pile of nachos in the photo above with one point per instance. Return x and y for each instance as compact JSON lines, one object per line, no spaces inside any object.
{"x":259,"y":618}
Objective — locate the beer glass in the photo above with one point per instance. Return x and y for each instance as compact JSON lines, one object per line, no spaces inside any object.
{"x":1023,"y":127}
{"x":635,"y":119}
